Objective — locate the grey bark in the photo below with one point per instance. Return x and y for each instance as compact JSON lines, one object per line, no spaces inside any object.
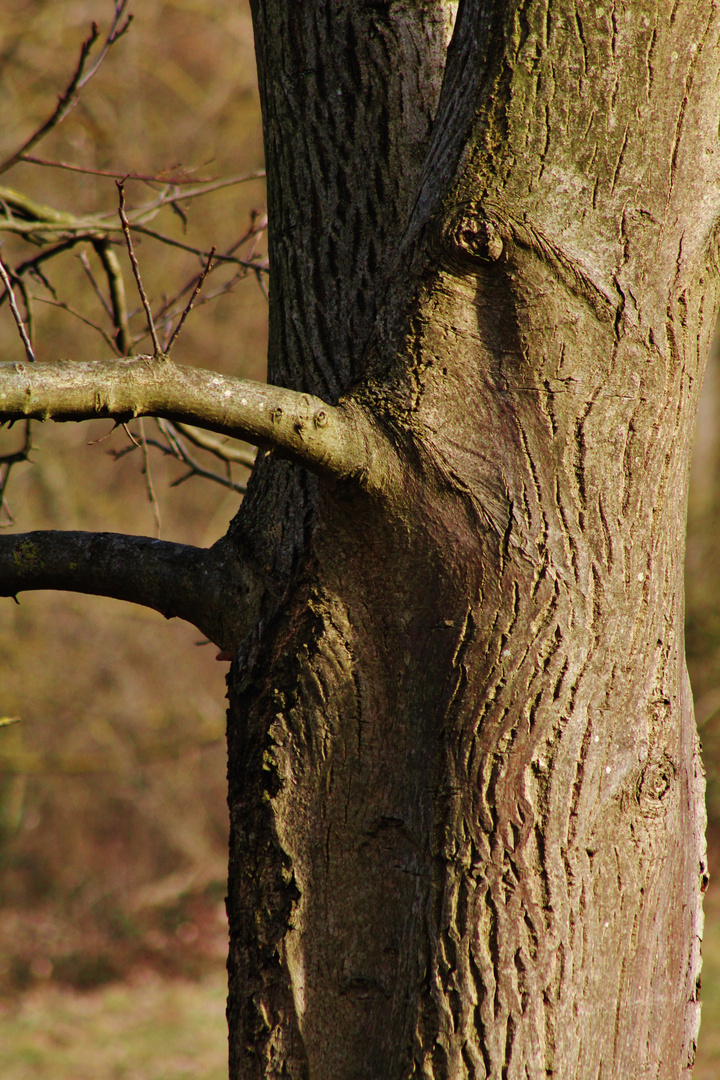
{"x":465,"y":794}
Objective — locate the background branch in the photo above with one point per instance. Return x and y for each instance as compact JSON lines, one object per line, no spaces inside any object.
{"x":80,"y":78}
{"x":116,"y":285}
{"x":218,"y":447}
{"x":15,"y":312}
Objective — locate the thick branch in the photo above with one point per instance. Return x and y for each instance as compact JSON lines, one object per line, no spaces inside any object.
{"x":329,"y":440}
{"x":175,"y":579}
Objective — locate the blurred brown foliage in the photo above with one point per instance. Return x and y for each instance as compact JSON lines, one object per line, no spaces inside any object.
{"x":113,"y":821}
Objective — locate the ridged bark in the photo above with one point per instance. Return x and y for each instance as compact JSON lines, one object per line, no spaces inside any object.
{"x":465,"y":793}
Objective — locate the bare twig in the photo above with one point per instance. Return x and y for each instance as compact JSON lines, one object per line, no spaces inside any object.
{"x":221,"y":449}
{"x":6,"y":463}
{"x":65,"y":103}
{"x":27,"y":301}
{"x":250,"y":264}
{"x":136,"y":269}
{"x":78,"y":315}
{"x":175,"y":448}
{"x":189,"y":306}
{"x":114,"y":34}
{"x":32,"y":266}
{"x":95,"y":287}
{"x":263,"y":286}
{"x":204,"y":187}
{"x":169,"y":177}
{"x":15,"y":312}
{"x":150,"y":487}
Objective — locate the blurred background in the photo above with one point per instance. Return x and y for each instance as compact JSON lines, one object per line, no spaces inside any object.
{"x":113,"y":821}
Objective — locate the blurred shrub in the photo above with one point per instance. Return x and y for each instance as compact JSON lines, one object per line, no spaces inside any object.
{"x":113,"y":822}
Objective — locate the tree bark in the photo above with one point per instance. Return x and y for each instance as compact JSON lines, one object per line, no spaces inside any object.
{"x":466,"y":799}
{"x":465,"y":793}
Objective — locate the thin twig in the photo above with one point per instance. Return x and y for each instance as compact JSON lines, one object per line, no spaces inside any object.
{"x":6,"y":463}
{"x":191,"y":301}
{"x":152,"y":178}
{"x":148,"y":478}
{"x":176,"y":449}
{"x":32,"y":265}
{"x":214,"y":445}
{"x":65,"y":103}
{"x":78,"y":315}
{"x":95,"y":287}
{"x":263,"y":286}
{"x":16,"y":312}
{"x":19,"y":455}
{"x":27,"y":301}
{"x":114,"y":34}
{"x":250,"y":264}
{"x":136,"y":269}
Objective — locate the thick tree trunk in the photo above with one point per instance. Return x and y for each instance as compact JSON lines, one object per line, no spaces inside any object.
{"x":466,"y":800}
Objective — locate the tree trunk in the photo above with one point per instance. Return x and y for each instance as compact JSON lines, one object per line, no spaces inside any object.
{"x":465,"y":793}
{"x":466,"y":799}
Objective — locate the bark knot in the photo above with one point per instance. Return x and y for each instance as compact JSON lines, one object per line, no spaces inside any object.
{"x":472,"y":238}
{"x":654,"y":785}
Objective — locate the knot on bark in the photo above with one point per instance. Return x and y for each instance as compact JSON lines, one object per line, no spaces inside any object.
{"x":472,"y":238}
{"x":654,"y":785}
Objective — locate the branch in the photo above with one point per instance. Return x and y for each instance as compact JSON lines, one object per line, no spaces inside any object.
{"x":175,"y":579}
{"x":220,"y":449}
{"x":335,"y":441}
{"x":15,"y":312}
{"x":136,"y":269}
{"x":113,"y":272}
{"x":80,"y":78}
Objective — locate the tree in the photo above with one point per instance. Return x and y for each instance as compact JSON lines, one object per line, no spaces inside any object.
{"x":465,"y":793}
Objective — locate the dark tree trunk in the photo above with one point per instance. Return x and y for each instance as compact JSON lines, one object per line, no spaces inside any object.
{"x":466,"y":800}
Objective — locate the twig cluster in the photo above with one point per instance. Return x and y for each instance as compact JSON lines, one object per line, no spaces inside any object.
{"x":56,"y":232}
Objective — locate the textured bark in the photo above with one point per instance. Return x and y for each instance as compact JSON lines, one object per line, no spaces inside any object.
{"x":465,"y":793}
{"x":466,"y":800}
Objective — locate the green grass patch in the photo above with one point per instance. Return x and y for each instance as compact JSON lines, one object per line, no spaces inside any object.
{"x":152,"y":1029}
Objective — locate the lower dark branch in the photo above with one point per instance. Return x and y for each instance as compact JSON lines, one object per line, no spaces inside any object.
{"x":195,"y":584}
